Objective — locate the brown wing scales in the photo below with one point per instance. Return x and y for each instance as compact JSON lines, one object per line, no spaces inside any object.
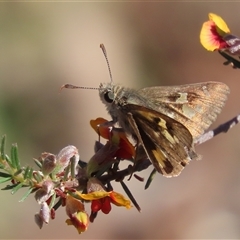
{"x":167,"y":142}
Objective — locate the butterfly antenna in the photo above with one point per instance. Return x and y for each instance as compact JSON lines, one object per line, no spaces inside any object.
{"x":105,"y":55}
{"x":70,"y":86}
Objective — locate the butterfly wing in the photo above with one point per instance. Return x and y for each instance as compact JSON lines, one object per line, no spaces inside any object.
{"x":167,"y":142}
{"x":195,"y":106}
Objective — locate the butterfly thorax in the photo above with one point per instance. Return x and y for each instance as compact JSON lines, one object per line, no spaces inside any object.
{"x":117,"y":99}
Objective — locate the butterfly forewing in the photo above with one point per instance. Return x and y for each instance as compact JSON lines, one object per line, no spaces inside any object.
{"x":195,"y":105}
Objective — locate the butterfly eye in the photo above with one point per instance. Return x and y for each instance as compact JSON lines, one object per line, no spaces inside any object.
{"x":109,"y":96}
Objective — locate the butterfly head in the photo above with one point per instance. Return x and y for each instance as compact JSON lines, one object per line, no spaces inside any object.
{"x":106,"y":93}
{"x":110,"y":95}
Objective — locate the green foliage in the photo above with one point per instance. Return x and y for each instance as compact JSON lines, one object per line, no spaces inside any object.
{"x":11,"y":170}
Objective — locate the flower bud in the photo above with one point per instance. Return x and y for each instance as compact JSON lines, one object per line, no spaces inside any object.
{"x":49,"y":163}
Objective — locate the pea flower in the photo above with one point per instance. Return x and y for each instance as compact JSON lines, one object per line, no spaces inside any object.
{"x":118,"y":137}
{"x":215,"y":35}
{"x":117,"y":146}
{"x":77,"y":215}
{"x":102,"y":199}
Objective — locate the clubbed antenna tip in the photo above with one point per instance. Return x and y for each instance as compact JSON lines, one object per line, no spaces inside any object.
{"x":105,"y":55}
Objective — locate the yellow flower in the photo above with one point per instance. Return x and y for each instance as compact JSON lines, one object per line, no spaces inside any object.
{"x":116,"y":198}
{"x":213,"y":33}
{"x":77,"y":216}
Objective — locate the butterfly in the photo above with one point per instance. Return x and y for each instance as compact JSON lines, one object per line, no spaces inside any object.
{"x":164,"y":120}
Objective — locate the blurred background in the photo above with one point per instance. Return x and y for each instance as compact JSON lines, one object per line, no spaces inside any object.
{"x":44,"y":45}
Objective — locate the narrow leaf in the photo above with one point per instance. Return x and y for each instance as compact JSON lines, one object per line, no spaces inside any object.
{"x":9,"y":187}
{"x":14,"y":156}
{"x":38,"y":163}
{"x":127,"y":191}
{"x":2,"y":147}
{"x":82,"y":164}
{"x":26,"y":195}
{"x":16,"y":188}
{"x":9,"y":161}
{"x":37,"y":177}
{"x":2,"y":166}
{"x":58,"y":204}
{"x":72,"y":166}
{"x":5,"y":179}
{"x":30,"y":174}
{"x":26,"y":173}
{"x":66,"y":172}
{"x":150,"y":178}
{"x":18,"y":172}
{"x":52,"y":200}
{"x":2,"y":174}
{"x":104,"y":168}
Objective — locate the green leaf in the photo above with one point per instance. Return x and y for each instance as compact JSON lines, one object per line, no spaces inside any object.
{"x":9,"y":161}
{"x":150,"y":178}
{"x":14,"y":156}
{"x":104,"y":168}
{"x":30,"y":174}
{"x":26,"y":194}
{"x":82,"y":164}
{"x":5,"y":179}
{"x":52,"y":200}
{"x":2,"y":166}
{"x":2,"y":147}
{"x":2,"y":174}
{"x":38,"y":163}
{"x":17,"y":187}
{"x":9,"y":187}
{"x":37,"y":176}
{"x":18,"y":172}
{"x":72,"y":166}
{"x":66,"y":172}
{"x":26,"y":173}
{"x":58,"y":204}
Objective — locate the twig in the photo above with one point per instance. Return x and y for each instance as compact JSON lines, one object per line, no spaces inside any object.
{"x":121,"y":174}
{"x":230,"y":60}
{"x":222,"y":128}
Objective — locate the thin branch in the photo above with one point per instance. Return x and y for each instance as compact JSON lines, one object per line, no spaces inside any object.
{"x":220,"y":129}
{"x":230,"y":60}
{"x":121,"y":174}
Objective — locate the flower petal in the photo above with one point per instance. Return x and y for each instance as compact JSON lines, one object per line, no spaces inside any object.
{"x":96,"y":205}
{"x":93,"y":195}
{"x":116,"y":198}
{"x":222,"y":27}
{"x":101,"y":128}
{"x":80,"y":221}
{"x":209,"y":37}
{"x":77,"y":216}
{"x":106,"y":205}
{"x":126,"y":149}
{"x":119,"y":200}
{"x":213,"y":32}
{"x":102,"y":158}
{"x":73,"y":205}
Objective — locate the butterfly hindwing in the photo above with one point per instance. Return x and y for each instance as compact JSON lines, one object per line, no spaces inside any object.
{"x":167,"y":142}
